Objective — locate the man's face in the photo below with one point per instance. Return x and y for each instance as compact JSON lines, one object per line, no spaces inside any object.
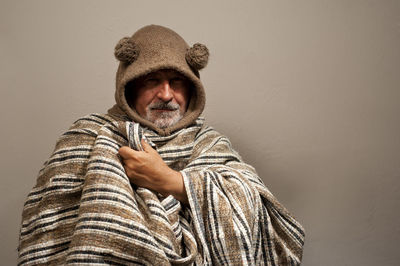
{"x":161,"y":97}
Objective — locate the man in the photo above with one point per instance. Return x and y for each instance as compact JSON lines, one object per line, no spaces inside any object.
{"x":149,"y":183}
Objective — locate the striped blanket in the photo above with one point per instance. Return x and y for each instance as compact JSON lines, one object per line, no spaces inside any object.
{"x":83,"y":208}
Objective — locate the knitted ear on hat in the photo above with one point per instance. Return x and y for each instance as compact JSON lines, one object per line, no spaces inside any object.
{"x":197,"y":56}
{"x":126,"y":50}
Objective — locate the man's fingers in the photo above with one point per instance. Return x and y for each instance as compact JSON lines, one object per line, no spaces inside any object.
{"x":125,"y":152}
{"x":146,"y":146}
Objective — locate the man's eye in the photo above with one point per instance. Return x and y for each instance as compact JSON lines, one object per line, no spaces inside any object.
{"x":151,"y":80}
{"x":177,"y":79}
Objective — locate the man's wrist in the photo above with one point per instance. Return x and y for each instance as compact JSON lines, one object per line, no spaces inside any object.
{"x":175,"y":186}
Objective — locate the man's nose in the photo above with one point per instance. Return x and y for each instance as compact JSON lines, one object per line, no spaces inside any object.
{"x":165,"y":91}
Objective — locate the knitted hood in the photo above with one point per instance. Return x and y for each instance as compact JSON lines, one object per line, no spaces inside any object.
{"x":154,"y":48}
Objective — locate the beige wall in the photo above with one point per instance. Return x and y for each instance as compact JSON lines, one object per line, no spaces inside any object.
{"x":308,"y":92}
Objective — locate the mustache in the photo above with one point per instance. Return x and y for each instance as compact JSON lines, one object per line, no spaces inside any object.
{"x":162,"y":105}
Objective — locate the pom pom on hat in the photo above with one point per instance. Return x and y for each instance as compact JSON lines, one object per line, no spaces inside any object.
{"x":126,"y":50}
{"x":197,"y":56}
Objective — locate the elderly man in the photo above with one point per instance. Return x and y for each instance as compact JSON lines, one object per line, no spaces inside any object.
{"x":149,"y":182}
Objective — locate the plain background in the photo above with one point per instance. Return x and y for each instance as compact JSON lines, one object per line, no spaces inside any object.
{"x":307,"y":91}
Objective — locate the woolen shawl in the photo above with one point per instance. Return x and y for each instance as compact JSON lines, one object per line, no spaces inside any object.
{"x":83,"y":209}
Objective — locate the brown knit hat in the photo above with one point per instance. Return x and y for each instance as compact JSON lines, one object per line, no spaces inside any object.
{"x":153,"y":48}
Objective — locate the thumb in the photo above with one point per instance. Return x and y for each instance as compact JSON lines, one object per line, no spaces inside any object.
{"x":146,"y":146}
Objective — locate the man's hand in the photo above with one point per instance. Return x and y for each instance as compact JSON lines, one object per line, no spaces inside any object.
{"x":147,"y":169}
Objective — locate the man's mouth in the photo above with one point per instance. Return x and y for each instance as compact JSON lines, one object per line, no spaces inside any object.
{"x":163,"y":109}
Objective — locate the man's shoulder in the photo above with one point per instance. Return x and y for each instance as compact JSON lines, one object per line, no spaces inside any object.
{"x":90,"y":124}
{"x":94,"y":120}
{"x":208,"y":134}
{"x":205,"y":129}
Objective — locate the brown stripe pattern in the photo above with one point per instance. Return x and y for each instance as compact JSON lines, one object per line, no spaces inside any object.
{"x":83,"y":209}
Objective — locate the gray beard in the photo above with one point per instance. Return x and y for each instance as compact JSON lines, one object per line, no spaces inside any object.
{"x":163,"y":119}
